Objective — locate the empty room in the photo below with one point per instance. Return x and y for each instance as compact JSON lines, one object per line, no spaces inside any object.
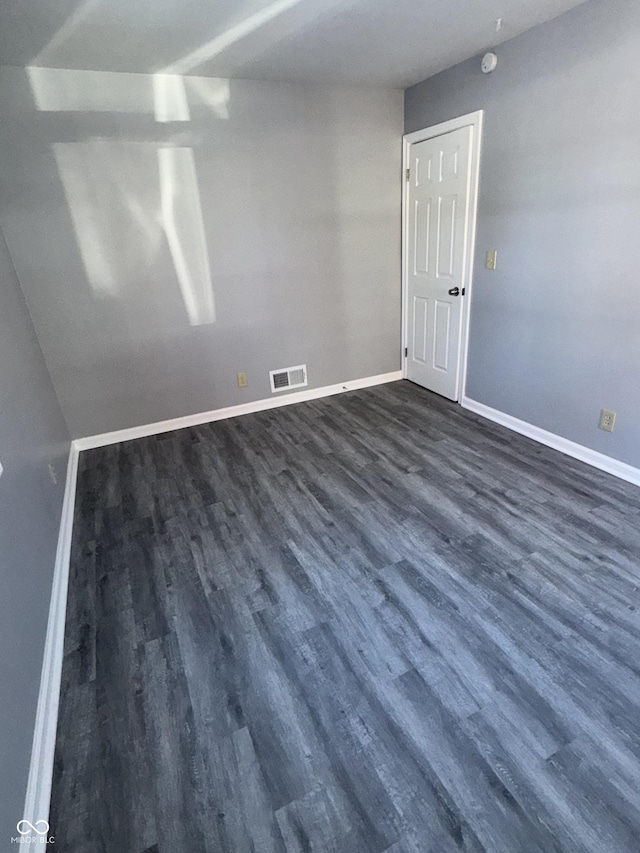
{"x":320,"y":426}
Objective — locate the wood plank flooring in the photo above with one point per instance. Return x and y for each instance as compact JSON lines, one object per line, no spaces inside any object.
{"x":373,"y":622}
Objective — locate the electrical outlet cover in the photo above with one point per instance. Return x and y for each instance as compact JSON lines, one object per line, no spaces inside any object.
{"x":492,"y":259}
{"x":607,"y":420}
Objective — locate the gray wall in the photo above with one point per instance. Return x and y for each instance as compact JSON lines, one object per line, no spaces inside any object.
{"x":135,"y":207}
{"x":32,"y":434}
{"x":555,"y":331}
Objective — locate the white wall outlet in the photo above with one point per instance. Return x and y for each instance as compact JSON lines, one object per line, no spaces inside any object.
{"x":243,"y":381}
{"x":492,"y":259}
{"x":607,"y":420}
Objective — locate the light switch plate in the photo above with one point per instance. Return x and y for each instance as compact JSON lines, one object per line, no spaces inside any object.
{"x":492,"y":259}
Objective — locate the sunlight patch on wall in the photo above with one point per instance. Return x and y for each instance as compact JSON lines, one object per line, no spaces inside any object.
{"x":69,"y":90}
{"x":184,"y":227}
{"x":163,"y":95}
{"x":170,"y":98}
{"x":123,"y":197}
{"x":215,"y":92}
{"x":115,"y":222}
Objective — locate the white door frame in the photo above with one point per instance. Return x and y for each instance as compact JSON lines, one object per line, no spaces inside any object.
{"x":473,"y":120}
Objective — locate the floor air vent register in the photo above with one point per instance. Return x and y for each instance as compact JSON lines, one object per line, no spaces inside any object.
{"x":288,"y":377}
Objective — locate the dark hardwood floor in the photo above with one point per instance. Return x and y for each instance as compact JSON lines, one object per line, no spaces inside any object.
{"x":373,"y":622}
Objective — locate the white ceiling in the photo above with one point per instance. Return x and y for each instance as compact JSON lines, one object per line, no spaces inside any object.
{"x":376,"y":42}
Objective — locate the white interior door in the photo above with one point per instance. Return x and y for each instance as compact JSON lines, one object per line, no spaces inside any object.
{"x":437,"y":222}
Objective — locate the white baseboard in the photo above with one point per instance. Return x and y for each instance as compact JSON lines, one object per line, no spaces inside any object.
{"x":44,"y":738}
{"x":231,"y":411}
{"x":550,"y":439}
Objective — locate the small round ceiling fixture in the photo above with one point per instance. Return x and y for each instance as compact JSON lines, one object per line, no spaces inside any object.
{"x":489,"y":63}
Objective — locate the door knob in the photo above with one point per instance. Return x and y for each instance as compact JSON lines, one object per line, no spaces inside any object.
{"x":455,"y":291}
